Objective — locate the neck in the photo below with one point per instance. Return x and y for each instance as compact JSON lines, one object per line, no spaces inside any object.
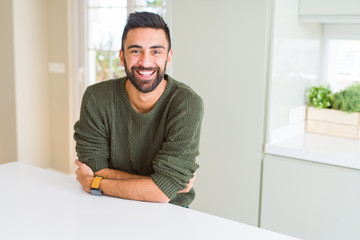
{"x":144,"y":102}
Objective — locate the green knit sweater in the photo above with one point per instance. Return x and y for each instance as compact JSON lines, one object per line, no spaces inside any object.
{"x":162,"y":143}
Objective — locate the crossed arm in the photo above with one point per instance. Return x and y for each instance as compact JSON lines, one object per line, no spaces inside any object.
{"x":172,"y":167}
{"x":121,"y":184}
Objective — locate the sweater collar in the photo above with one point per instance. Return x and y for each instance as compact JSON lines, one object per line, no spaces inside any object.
{"x":167,"y":91}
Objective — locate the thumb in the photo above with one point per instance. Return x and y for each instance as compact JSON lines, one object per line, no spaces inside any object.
{"x":78,"y":163}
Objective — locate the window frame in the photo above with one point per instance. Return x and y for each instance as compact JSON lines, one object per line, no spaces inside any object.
{"x":333,"y":31}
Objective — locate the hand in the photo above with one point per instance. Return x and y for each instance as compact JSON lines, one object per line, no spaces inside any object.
{"x":84,"y":175}
{"x":189,"y":185}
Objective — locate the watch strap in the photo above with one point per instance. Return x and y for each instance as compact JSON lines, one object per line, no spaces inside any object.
{"x":96,"y":182}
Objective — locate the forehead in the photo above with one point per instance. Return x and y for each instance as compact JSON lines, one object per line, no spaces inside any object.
{"x":146,"y":37}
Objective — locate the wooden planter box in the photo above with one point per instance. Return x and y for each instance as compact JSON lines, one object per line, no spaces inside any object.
{"x":333,"y":122}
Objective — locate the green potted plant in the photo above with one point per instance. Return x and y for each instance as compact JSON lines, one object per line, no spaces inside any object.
{"x":347,"y":100}
{"x":320,"y":96}
{"x":334,"y":114}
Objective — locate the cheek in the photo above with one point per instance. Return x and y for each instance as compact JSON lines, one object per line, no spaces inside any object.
{"x":162,"y":62}
{"x":129,"y":62}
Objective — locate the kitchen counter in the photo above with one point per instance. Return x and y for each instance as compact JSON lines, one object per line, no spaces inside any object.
{"x":44,"y":204}
{"x":336,"y":151}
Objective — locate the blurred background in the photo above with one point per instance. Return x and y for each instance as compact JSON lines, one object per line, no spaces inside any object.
{"x":251,"y":61}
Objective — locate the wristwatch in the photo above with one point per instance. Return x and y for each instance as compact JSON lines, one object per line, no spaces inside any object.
{"x":95,"y":186}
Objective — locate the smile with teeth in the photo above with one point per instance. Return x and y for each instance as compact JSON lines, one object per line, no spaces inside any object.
{"x":145,"y":73}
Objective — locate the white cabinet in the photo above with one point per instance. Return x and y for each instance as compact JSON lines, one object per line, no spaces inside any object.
{"x":310,"y":200}
{"x":329,"y":10}
{"x":220,"y":51}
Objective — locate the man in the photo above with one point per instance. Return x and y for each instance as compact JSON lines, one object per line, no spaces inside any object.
{"x":138,"y":136}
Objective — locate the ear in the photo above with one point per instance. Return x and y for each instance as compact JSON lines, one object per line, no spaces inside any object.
{"x":170,"y":54}
{"x":121,"y":56}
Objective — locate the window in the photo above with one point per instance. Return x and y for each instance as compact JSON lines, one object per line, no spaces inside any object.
{"x":342,"y":55}
{"x":105,"y":21}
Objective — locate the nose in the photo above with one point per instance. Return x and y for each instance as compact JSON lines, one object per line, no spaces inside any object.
{"x":145,"y":60}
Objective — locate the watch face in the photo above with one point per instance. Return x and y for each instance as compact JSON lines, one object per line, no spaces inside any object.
{"x":96,"y":192}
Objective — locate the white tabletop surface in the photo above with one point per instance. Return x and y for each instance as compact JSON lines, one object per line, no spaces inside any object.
{"x":45,"y":204}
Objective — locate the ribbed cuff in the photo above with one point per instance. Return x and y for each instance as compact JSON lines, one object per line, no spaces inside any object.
{"x":96,"y":165}
{"x":165,"y":184}
{"x":184,"y":199}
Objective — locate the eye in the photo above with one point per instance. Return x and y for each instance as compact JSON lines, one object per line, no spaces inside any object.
{"x":135,"y":51}
{"x":156,"y":52}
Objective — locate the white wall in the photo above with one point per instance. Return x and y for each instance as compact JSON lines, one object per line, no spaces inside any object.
{"x":295,"y":61}
{"x":36,"y":105}
{"x":59,"y":86}
{"x":8,"y":149}
{"x":220,"y":51}
{"x":31,"y":81}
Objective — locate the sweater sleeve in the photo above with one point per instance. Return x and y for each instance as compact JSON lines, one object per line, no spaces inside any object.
{"x":175,"y":163}
{"x":91,"y":134}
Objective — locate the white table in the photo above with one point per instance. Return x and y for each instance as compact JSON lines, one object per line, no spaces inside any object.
{"x":43,"y":204}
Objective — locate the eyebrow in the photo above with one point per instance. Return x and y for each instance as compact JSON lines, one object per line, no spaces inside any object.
{"x":134,"y":46}
{"x":138,"y":46}
{"x":157,"y":46}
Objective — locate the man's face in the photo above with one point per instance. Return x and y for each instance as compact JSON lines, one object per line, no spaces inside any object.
{"x":145,"y":57}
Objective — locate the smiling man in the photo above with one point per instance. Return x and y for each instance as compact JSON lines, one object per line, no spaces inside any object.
{"x":146,"y":79}
{"x":138,"y":137}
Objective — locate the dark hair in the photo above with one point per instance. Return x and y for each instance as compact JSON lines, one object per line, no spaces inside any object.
{"x":145,"y":20}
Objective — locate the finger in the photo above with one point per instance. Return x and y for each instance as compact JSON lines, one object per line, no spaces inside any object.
{"x":192,"y":180}
{"x":78,"y":172}
{"x":78,"y":163}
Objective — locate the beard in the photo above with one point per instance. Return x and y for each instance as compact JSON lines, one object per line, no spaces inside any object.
{"x":141,"y":85}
